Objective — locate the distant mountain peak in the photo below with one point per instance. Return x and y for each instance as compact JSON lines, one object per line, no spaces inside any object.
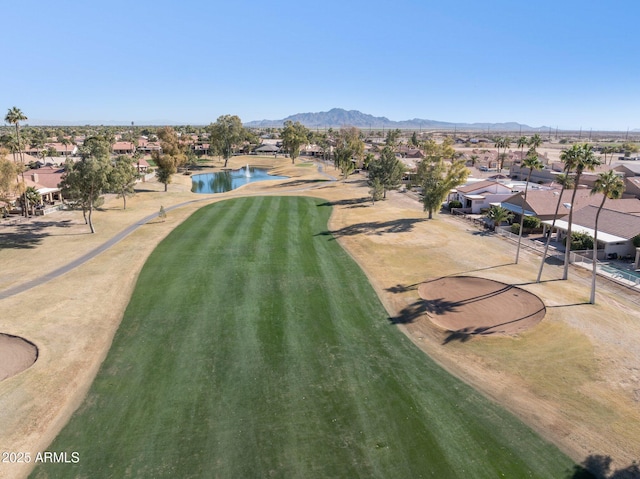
{"x":339,"y":117}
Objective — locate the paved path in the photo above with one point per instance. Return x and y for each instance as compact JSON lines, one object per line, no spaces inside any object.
{"x":21,"y":288}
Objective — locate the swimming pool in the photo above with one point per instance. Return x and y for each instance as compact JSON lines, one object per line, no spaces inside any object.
{"x":618,"y":273}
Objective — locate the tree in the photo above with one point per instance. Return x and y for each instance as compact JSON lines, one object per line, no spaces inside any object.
{"x":566,"y":182}
{"x":226,"y":135}
{"x":533,"y":163}
{"x":172,"y":157}
{"x":294,"y":135}
{"x":376,"y":190}
{"x":165,"y":167}
{"x":65,"y":142}
{"x":33,"y":197}
{"x":506,"y":143}
{"x":85,"y":180}
{"x":122,"y":178}
{"x":349,"y":149}
{"x":498,"y":215}
{"x":522,"y":142}
{"x":14,"y":116}
{"x":438,"y":178}
{"x":392,"y":138}
{"x":387,"y":170}
{"x":414,"y":140}
{"x":499,"y":142}
{"x":8,"y":174}
{"x":535,"y":141}
{"x":578,"y":158}
{"x":611,"y":186}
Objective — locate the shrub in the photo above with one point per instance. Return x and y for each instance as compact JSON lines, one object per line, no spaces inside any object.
{"x":531,"y":222}
{"x":636,"y":241}
{"x":515,"y":228}
{"x":580,"y":241}
{"x":455,"y":204}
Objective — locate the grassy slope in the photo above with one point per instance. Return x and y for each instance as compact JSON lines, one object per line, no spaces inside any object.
{"x":254,"y":346}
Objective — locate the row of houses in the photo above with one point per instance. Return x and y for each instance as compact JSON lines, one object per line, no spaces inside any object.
{"x":619,"y":221}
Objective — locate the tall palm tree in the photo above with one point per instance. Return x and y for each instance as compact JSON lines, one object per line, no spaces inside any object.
{"x":65,"y":142}
{"x":535,"y":141}
{"x":582,"y":158}
{"x":499,"y":141}
{"x":611,"y":150}
{"x":506,"y":143}
{"x":14,"y":117}
{"x":566,"y":182}
{"x":533,"y":163}
{"x":522,"y":142}
{"x":611,"y":186}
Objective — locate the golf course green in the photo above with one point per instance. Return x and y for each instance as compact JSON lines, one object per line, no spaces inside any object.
{"x":254,"y":346}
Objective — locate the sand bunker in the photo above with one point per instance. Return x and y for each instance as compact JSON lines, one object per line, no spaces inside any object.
{"x":470,"y":305}
{"x":16,"y":355}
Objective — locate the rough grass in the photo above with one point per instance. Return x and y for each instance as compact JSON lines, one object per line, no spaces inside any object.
{"x":253,"y":346}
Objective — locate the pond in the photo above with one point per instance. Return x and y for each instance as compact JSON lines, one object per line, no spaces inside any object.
{"x":228,"y":180}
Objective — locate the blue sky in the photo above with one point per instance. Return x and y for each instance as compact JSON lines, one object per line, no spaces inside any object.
{"x":565,"y":64}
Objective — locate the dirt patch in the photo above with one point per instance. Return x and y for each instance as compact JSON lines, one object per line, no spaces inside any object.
{"x":16,"y":355}
{"x":478,"y":306}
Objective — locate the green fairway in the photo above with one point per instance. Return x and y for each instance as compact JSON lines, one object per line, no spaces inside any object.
{"x":254,"y":346}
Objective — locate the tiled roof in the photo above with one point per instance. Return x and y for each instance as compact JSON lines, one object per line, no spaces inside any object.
{"x":47,"y":176}
{"x":123,"y":145}
{"x":480,"y":185}
{"x":544,"y":202}
{"x":612,"y":222}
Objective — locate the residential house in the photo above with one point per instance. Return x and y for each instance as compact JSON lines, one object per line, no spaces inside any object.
{"x":480,"y":195}
{"x":616,"y":229}
{"x":404,"y":151}
{"x":46,"y":181}
{"x":123,"y":148}
{"x":147,"y":147}
{"x":201,"y":149}
{"x":311,"y":150}
{"x":543,"y":200}
{"x":631,"y":172}
{"x":268,"y":149}
{"x":142,"y":165}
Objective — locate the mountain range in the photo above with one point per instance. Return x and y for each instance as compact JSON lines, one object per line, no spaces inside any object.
{"x":338,"y":117}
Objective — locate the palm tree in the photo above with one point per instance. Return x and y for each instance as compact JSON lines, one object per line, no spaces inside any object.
{"x":535,"y":141}
{"x":65,"y":142}
{"x":499,"y":215}
{"x":522,"y":142}
{"x":580,"y":158}
{"x":566,"y":182}
{"x":533,"y":163}
{"x":611,"y":150}
{"x":14,"y":117}
{"x":504,"y":143}
{"x":499,"y":141}
{"x":611,"y":186}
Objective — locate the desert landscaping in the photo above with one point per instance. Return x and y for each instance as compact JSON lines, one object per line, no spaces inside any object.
{"x":568,"y":369}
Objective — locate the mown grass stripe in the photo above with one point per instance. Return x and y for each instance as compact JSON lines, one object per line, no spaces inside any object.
{"x":257,"y":348}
